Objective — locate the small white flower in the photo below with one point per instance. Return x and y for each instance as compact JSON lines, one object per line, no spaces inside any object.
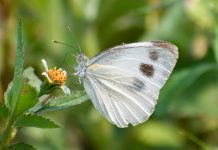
{"x":56,"y":76}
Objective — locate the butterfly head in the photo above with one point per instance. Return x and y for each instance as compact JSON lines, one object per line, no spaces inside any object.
{"x":81,"y":58}
{"x":81,"y":67}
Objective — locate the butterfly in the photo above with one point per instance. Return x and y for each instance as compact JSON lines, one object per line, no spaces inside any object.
{"x":124,"y":82}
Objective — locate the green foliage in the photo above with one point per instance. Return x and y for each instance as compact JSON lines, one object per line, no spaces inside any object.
{"x":22,"y":94}
{"x":31,"y":78}
{"x":62,"y":102}
{"x":27,"y":99}
{"x":178,"y":83}
{"x":186,"y":112}
{"x":3,"y":112}
{"x":21,"y":146}
{"x":47,"y":88}
{"x":18,"y":70}
{"x":35,"y":121}
{"x":16,"y":89}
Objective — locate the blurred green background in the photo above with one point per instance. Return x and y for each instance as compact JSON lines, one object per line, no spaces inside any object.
{"x":186,"y":116}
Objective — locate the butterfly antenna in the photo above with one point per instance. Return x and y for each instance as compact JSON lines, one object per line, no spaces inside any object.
{"x":66,"y":55}
{"x":80,"y":50}
{"x":68,"y":45}
{"x":58,"y":42}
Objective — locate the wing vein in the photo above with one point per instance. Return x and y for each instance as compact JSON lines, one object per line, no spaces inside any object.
{"x":139,"y":76}
{"x":125,"y":95}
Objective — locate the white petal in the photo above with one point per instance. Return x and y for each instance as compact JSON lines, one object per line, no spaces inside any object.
{"x":46,"y":75}
{"x":65,"y":73}
{"x":65,"y":89}
{"x":45,"y":64}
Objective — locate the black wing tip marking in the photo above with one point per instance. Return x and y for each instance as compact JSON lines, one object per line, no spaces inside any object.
{"x":166,"y":45}
{"x":158,"y":43}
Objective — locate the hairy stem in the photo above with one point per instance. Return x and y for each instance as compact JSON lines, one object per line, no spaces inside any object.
{"x":7,"y":134}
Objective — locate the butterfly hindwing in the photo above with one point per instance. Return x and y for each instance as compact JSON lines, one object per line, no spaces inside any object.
{"x":125,"y":102}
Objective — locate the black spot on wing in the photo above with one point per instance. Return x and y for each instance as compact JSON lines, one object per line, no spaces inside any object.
{"x":153,"y":55}
{"x":147,"y":69}
{"x":138,"y":85}
{"x":132,"y":83}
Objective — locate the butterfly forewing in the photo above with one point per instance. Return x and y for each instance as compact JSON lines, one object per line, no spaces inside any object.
{"x":124,"y":82}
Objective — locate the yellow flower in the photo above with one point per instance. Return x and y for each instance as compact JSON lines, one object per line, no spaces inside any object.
{"x":56,"y":76}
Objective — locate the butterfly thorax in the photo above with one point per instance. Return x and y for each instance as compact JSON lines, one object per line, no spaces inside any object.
{"x":82,"y":64}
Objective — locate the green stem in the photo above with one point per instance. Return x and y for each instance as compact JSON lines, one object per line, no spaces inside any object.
{"x":7,"y":134}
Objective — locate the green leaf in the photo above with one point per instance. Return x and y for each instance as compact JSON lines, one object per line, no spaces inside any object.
{"x":19,"y":57}
{"x":21,"y":146}
{"x":177,"y":83}
{"x":27,"y":99}
{"x":47,"y":88}
{"x":33,"y":80}
{"x":18,"y":70}
{"x":35,"y":121}
{"x":64,"y":102}
{"x":3,"y":112}
{"x":16,"y":89}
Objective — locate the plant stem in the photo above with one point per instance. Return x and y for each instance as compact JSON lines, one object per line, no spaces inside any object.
{"x":7,"y":134}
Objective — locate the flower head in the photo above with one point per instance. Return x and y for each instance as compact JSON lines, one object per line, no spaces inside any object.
{"x":56,"y":76}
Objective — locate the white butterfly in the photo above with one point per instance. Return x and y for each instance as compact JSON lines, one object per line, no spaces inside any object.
{"x":124,"y":82}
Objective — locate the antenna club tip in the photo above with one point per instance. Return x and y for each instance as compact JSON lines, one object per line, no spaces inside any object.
{"x":54,"y":41}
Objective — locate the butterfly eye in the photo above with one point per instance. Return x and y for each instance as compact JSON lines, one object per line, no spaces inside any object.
{"x":81,"y":58}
